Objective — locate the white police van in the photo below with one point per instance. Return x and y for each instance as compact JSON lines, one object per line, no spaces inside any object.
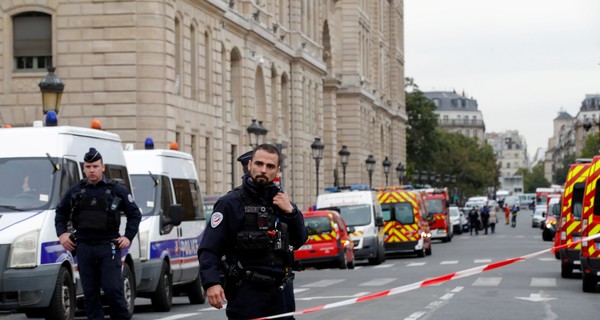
{"x":37,"y":166}
{"x":360,"y":208}
{"x":166,"y":189}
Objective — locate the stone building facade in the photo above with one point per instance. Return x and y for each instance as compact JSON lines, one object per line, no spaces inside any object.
{"x":510,"y":150}
{"x":198,"y":71}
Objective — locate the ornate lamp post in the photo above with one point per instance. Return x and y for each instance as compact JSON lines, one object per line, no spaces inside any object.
{"x":370,"y":162}
{"x":386,"y":168}
{"x":317,"y":148}
{"x":52,"y":88}
{"x":254,"y":130}
{"x":400,"y":172}
{"x":262,"y":134}
{"x":344,"y":154}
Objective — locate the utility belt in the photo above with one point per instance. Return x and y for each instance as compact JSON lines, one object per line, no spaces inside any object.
{"x":235,"y":274}
{"x":98,"y":242}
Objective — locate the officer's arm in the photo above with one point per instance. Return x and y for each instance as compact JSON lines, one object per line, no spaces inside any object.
{"x":63,"y":211}
{"x":133,"y":214}
{"x":296,"y":228}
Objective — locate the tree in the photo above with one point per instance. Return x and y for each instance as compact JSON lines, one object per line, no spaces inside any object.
{"x":559,"y":176}
{"x":421,"y":136}
{"x":534,"y":179}
{"x":591,"y":146}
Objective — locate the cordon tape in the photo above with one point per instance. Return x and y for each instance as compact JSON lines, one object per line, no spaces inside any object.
{"x":428,"y":282}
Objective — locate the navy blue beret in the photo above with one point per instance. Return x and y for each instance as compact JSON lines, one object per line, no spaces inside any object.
{"x":92,"y":156}
{"x":245,"y":158}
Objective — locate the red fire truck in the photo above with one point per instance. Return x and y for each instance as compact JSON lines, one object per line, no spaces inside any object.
{"x":437,"y":203}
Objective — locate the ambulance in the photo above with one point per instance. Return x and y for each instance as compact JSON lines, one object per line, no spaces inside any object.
{"x":166,"y":189}
{"x":360,"y":208}
{"x":568,"y":226}
{"x":37,"y":166}
{"x":406,"y":226}
{"x":553,"y":209}
{"x":590,"y":225}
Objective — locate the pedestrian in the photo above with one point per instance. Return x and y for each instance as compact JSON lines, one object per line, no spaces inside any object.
{"x":485,"y":215}
{"x":94,"y":207}
{"x":506,"y":213}
{"x":473,"y":220}
{"x":492,"y":220}
{"x":514,"y":210}
{"x":252,"y":234}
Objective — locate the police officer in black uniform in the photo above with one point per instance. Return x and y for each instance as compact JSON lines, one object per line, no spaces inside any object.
{"x":94,"y":206}
{"x":253,"y":231}
{"x":244,"y":159}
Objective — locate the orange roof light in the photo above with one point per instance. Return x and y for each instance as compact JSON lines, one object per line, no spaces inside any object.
{"x":173,"y":146}
{"x":6,"y":125}
{"x":96,"y":124}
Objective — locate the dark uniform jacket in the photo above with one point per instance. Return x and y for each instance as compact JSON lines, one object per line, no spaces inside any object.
{"x":219,"y":236}
{"x":127,"y":205}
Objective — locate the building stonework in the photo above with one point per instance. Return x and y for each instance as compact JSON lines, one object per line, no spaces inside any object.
{"x":198,"y":71}
{"x":458,"y":114}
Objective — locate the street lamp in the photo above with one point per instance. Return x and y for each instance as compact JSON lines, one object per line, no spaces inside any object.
{"x":52,"y":88}
{"x":400,"y":172}
{"x":317,"y":148}
{"x":262,"y":134}
{"x":386,"y":168}
{"x":344,"y":154}
{"x":254,"y":130}
{"x":370,"y":167}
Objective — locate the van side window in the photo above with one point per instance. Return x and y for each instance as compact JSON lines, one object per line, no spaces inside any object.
{"x":165,"y":194}
{"x":69,"y":176}
{"x":186,"y":194}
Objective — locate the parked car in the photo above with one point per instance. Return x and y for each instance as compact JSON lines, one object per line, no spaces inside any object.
{"x":458,"y":219}
{"x":329,"y":242}
{"x":538,"y":216}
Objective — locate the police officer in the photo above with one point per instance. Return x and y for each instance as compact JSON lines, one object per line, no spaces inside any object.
{"x":256,"y":227}
{"x":244,"y":159}
{"x":94,"y":206}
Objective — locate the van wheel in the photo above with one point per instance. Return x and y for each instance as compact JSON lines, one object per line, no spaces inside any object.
{"x":341,"y":263}
{"x":428,"y":250}
{"x":351,"y":264}
{"x":129,"y":287}
{"x":379,"y":258}
{"x":62,"y":304}
{"x":566,"y":270}
{"x":162,"y":298}
{"x":589,"y":282}
{"x":195,"y":291}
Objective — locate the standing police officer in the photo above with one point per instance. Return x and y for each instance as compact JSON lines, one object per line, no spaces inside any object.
{"x":94,"y":206}
{"x":256,"y":227}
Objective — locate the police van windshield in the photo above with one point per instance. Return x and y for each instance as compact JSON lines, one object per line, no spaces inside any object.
{"x":317,"y":225}
{"x":434,"y":206}
{"x":401,"y":212}
{"x":354,"y":215}
{"x":26,"y":184}
{"x":145,"y":193}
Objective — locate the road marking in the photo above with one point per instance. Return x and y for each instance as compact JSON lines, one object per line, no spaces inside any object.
{"x":323,"y":283}
{"x":457,"y":290}
{"x":377,"y":282}
{"x":180,"y":316}
{"x":547,"y":259}
{"x":543,"y":282}
{"x":482,"y":261}
{"x":416,"y":264}
{"x":447,"y":296}
{"x":535,"y":297}
{"x":415,"y":315}
{"x":360,"y":294}
{"x":487,"y":281}
{"x":449,"y":262}
{"x":300,"y":290}
{"x":383,"y":266}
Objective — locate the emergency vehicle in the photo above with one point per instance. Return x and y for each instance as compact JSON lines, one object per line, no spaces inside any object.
{"x":568,"y":226}
{"x":166,"y":189}
{"x":406,"y":226}
{"x":437,"y":203}
{"x":553,"y":209}
{"x":590,"y":225}
{"x":541,"y":194}
{"x":37,"y":166}
{"x":360,"y":208}
{"x":328,"y":241}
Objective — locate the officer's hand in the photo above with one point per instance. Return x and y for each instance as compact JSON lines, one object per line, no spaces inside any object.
{"x":216,"y":296}
{"x":123,"y":242}
{"x":66,"y":242}
{"x":283,"y":202}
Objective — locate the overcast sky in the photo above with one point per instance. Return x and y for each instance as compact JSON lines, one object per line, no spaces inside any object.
{"x":522,"y":60}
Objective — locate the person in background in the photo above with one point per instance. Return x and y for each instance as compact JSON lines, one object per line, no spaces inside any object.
{"x":473,"y":220}
{"x":492,"y":220}
{"x":506,"y":213}
{"x":485,"y":216}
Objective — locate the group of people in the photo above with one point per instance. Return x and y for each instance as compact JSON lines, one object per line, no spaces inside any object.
{"x":482,"y":219}
{"x":246,"y":253}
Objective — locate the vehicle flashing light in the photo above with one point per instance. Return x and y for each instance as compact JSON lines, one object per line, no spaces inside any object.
{"x":173,"y":146}
{"x":354,"y":187}
{"x":149,"y":144}
{"x":51,"y":119}
{"x":96,"y":124}
{"x":6,"y":125}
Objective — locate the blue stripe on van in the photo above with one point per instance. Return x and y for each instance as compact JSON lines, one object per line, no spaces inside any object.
{"x":188,"y":247}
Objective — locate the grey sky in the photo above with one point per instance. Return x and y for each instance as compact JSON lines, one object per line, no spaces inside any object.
{"x":522,"y":60}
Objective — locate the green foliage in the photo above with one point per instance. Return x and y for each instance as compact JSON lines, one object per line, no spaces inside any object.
{"x":534,"y":179}
{"x":435,"y":150}
{"x":591,"y":146}
{"x":559,"y":176}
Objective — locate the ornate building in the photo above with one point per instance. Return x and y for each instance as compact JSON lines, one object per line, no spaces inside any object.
{"x":198,"y":71}
{"x":510,"y":150}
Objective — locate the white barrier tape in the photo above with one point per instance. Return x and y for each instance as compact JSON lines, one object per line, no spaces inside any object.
{"x":428,"y":282}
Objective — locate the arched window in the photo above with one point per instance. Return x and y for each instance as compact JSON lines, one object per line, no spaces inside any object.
{"x":207,"y":68}
{"x":178,"y":75}
{"x":32,"y":41}
{"x":236,"y":85}
{"x":194,"y":61}
{"x":260,"y":96}
{"x":285,"y":104}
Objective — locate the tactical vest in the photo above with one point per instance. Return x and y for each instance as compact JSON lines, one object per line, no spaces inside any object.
{"x":263,"y":240}
{"x":96,"y":213}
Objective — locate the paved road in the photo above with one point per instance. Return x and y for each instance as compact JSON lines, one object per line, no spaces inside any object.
{"x":531,"y":289}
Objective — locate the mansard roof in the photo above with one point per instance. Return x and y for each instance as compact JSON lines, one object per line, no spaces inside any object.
{"x":451,"y":101}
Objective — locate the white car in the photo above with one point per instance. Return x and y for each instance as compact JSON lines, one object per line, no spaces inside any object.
{"x":538,"y":216}
{"x":458,"y":219}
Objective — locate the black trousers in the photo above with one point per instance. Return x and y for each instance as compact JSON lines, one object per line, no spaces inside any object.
{"x":98,"y":269}
{"x":256,"y":301}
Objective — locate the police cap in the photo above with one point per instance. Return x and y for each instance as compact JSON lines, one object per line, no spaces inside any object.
{"x":245,"y":158}
{"x":92,"y":156}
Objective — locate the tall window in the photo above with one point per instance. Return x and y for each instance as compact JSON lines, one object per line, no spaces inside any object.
{"x":285,"y":107}
{"x":207,"y":67}
{"x":32,"y":41}
{"x":236,"y":84}
{"x":194,"y":62}
{"x":178,"y":76}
